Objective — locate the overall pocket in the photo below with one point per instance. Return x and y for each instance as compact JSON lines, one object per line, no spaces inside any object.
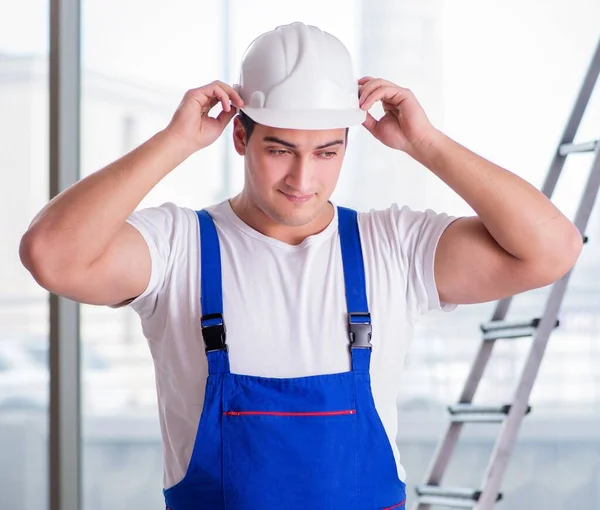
{"x":292,"y":460}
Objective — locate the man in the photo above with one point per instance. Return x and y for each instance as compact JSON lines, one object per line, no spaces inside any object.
{"x":276,"y":283}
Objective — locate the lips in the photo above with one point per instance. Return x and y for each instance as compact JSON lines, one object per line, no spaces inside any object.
{"x":297,"y":198}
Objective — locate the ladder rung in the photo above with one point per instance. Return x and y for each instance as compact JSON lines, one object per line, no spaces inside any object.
{"x":495,"y":330}
{"x":570,"y":148}
{"x":447,"y":502}
{"x":478,"y":418}
{"x":456,"y":494}
{"x":502,"y":325}
{"x":469,"y":413}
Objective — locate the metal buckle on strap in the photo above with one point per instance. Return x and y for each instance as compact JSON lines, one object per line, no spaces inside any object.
{"x":214,"y":332}
{"x":360,"y":330}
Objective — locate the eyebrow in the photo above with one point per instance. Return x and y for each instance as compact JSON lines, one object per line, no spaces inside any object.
{"x":274,"y":139}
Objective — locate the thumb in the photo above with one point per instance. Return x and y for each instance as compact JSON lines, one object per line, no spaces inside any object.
{"x":370,"y":124}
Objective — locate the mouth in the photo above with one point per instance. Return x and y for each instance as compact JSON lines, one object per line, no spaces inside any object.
{"x":297,"y":199}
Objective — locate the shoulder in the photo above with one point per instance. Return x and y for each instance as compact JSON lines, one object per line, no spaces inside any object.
{"x":163,"y":218}
{"x":171,"y":233}
{"x":401,"y":233}
{"x":403,"y":213}
{"x":402,"y":222}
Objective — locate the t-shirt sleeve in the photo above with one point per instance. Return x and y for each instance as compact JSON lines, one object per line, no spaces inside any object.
{"x":158,"y":226}
{"x":418,"y":236}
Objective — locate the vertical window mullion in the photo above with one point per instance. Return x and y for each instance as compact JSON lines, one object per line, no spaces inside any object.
{"x":64,"y":117}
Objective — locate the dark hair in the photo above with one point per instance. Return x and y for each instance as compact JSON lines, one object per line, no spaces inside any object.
{"x":249,"y":124}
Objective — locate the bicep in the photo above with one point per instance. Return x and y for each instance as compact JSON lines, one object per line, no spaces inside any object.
{"x":471,"y":267}
{"x":119,"y":275}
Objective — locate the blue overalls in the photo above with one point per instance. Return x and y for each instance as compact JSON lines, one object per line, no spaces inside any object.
{"x":307,"y":443}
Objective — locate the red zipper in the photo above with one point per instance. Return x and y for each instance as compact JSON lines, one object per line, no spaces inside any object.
{"x":395,"y":506}
{"x":275,"y":413}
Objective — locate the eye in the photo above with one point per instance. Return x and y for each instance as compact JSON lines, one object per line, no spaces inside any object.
{"x":328,"y":155}
{"x":278,"y":152}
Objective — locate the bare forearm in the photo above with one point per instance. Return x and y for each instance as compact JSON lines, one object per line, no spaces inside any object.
{"x":85,"y":217}
{"x":521,"y":219}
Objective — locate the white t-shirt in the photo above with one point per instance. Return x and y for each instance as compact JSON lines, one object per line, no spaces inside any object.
{"x":284,"y":307}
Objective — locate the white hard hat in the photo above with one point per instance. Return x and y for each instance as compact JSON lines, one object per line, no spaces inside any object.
{"x":299,"y":77}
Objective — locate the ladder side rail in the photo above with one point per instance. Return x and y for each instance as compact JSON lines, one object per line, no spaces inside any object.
{"x":445,"y":449}
{"x":510,"y":428}
{"x":583,"y":97}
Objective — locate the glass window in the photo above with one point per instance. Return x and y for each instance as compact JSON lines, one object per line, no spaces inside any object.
{"x":23,"y":304}
{"x":132,"y":83}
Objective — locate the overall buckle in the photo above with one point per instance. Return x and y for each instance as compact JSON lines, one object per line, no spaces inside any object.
{"x":214,"y":332}
{"x":360,"y":330}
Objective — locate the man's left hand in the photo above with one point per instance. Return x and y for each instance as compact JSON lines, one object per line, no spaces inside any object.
{"x":405,"y":125}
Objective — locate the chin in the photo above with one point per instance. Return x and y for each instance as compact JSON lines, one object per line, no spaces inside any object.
{"x":291,"y":218}
{"x":292,"y":215}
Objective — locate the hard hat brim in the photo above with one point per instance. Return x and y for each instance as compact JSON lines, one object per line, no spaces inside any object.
{"x":306,"y":119}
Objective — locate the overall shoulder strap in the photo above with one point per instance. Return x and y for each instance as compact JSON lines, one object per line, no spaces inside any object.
{"x":211,"y":293}
{"x":359,"y":318}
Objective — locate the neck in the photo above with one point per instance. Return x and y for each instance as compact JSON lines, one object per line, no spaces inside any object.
{"x":255,"y":217}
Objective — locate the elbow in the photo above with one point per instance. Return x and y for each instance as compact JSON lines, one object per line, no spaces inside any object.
{"x":561,"y":256}
{"x":28,"y":250}
{"x":31,"y":255}
{"x":571,"y":247}
{"x":40,"y":259}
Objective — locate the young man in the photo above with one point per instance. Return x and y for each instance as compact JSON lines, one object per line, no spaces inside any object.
{"x":290,"y":417}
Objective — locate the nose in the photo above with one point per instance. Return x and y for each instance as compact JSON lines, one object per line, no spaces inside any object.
{"x":299,"y":177}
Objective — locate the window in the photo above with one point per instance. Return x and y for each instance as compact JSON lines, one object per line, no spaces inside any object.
{"x":23,"y":304}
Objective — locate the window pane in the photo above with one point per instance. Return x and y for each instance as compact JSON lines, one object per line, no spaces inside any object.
{"x":132,"y":83}
{"x":23,"y":304}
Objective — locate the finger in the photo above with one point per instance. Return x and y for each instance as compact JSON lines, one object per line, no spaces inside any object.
{"x":224,"y":117}
{"x":370,"y":123}
{"x":208,"y":91}
{"x":206,"y":103}
{"x":233,"y":94}
{"x":223,"y":97}
{"x":369,"y":87}
{"x":212,"y":103}
{"x":361,"y":87}
{"x":209,"y":95}
{"x":365,"y":79}
{"x":391,"y":95}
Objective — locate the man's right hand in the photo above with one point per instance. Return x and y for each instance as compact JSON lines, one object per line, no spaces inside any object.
{"x":192,"y":122}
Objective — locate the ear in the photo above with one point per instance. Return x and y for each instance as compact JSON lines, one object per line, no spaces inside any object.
{"x":239,"y":136}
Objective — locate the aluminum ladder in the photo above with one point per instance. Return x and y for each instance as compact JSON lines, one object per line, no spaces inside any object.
{"x":510,"y":416}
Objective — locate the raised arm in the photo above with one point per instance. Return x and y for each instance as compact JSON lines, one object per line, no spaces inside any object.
{"x":80,"y":245}
{"x":518,"y":241}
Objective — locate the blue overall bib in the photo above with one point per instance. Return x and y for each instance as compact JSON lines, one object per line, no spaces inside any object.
{"x":307,"y":443}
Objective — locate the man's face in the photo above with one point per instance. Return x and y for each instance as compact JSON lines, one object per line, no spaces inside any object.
{"x":290,"y":174}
